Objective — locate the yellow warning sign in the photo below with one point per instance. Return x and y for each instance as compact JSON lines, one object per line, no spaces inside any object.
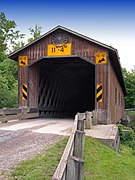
{"x":101,"y":58}
{"x":59,"y":50}
{"x":23,"y":60}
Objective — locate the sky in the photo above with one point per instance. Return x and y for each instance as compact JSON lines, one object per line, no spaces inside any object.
{"x":111,"y":22}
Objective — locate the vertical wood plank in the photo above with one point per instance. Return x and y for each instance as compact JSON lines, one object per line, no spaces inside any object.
{"x":79,"y":144}
{"x":88,"y":122}
{"x":75,"y":169}
{"x":70,"y":169}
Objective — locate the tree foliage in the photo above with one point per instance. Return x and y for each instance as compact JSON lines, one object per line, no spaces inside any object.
{"x":9,"y":36}
{"x":8,"y":83}
{"x":129,"y":77}
{"x":36,"y":33}
{"x":8,"y":68}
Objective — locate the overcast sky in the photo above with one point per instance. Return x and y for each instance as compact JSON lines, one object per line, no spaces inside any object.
{"x":109,"y":21}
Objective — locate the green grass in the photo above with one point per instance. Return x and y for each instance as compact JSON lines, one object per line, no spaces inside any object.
{"x":103,"y":163}
{"x":130,"y":112}
{"x":41,"y":167}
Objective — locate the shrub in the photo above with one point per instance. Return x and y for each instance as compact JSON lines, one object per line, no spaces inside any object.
{"x":127,"y":136}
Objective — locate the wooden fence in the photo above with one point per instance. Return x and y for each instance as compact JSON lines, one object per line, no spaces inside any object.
{"x":71,"y":165}
{"x":8,"y":114}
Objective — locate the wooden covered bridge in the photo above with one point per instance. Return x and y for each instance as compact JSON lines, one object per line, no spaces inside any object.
{"x":64,"y":72}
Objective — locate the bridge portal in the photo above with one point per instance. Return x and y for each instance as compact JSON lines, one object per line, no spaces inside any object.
{"x":66,"y":86}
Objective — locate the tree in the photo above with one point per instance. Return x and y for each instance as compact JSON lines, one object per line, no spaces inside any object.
{"x":129,"y":77}
{"x":36,"y":33}
{"x":8,"y":69}
{"x":8,"y":83}
{"x":18,"y":44}
{"x":8,"y":34}
{"x":8,"y":95}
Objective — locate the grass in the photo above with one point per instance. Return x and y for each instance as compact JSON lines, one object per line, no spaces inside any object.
{"x":41,"y":167}
{"x":130,"y":112}
{"x":103,"y":163}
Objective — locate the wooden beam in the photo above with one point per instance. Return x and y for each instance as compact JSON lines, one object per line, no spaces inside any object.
{"x":43,"y":93}
{"x":79,"y":144}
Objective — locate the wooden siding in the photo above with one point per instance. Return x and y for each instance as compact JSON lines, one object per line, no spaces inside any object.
{"x":101,"y":79}
{"x":23,"y":79}
{"x":115,"y":97}
{"x":33,"y":86}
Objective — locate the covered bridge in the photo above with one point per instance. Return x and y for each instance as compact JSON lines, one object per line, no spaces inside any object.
{"x":63,"y":72}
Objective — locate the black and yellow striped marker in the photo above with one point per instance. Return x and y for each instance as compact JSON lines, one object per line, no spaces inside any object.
{"x":24,"y":92}
{"x":99,"y":93}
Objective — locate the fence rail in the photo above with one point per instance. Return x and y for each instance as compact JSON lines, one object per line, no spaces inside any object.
{"x":9,"y":114}
{"x":71,"y":165}
{"x":132,"y":109}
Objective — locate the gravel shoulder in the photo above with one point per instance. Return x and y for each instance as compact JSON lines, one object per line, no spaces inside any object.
{"x":22,"y":144}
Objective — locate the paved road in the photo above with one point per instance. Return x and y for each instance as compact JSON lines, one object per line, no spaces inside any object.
{"x":23,"y":139}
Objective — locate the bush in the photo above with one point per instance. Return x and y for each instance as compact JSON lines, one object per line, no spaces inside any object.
{"x":8,"y":84}
{"x":127,"y":136}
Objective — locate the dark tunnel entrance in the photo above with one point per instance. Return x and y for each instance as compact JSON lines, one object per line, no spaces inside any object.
{"x":66,"y":86}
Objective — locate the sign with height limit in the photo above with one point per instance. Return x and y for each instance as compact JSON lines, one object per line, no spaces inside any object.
{"x":58,"y":50}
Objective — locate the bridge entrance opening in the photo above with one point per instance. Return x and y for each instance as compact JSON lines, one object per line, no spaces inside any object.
{"x":66,"y":86}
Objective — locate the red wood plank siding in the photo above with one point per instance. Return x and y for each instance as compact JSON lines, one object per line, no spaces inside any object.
{"x":33,"y":86}
{"x":115,"y":102}
{"x":23,"y":77}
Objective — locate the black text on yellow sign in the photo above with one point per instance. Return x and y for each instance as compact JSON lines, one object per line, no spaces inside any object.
{"x":99,"y":93}
{"x":101,"y":58}
{"x":24,"y":92}
{"x":59,"y":50}
{"x":23,"y":60}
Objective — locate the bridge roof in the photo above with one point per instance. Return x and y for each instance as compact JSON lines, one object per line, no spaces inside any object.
{"x":65,"y":29}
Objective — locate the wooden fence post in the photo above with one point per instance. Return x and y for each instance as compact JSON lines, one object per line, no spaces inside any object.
{"x":24,"y":110}
{"x":70,"y":174}
{"x":88,"y":122}
{"x":75,"y":169}
{"x":4,"y":117}
{"x":80,"y":125}
{"x":79,"y":144}
{"x":81,"y":119}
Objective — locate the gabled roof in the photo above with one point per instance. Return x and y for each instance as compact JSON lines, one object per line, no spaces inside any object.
{"x":113,"y":53}
{"x":68,"y":30}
